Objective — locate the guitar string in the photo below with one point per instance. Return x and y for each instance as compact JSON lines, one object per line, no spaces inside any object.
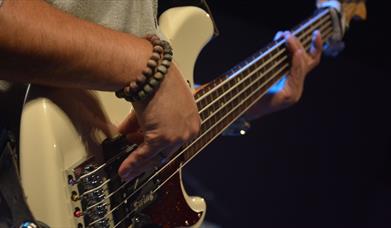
{"x":112,"y":193}
{"x":240,"y":81}
{"x":126,"y":183}
{"x":117,"y":189}
{"x":103,"y":165}
{"x":184,"y":150}
{"x":216,"y":100}
{"x":154,"y":191}
{"x":176,"y":156}
{"x":279,"y":44}
{"x":216,"y":135}
{"x":174,"y":171}
{"x":304,"y":26}
{"x":177,"y":170}
{"x":127,"y":198}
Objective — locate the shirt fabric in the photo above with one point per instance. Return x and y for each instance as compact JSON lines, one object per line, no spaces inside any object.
{"x":132,"y":16}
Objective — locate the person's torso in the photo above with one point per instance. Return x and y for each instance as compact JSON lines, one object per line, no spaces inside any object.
{"x":132,"y":16}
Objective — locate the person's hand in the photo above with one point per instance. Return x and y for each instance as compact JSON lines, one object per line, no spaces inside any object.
{"x":302,"y":62}
{"x":166,"y":122}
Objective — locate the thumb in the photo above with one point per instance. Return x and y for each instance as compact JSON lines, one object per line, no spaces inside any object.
{"x":129,"y":124}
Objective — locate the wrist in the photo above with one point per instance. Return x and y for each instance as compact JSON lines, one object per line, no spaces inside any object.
{"x":148,"y":81}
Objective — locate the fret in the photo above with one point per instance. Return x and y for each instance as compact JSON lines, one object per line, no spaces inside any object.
{"x":203,"y":115}
{"x":262,"y":69}
{"x":212,"y":98}
{"x":252,"y":67}
{"x":225,"y":86}
{"x":208,"y":99}
{"x":240,"y":85}
{"x":227,"y":97}
{"x":275,"y":51}
{"x":220,"y":92}
{"x":230,"y":105}
{"x":223,"y":118}
{"x":225,"y":100}
{"x":203,"y":127}
{"x":257,"y":77}
{"x":214,"y":117}
{"x":231,"y":83}
{"x":200,"y":105}
{"x":216,"y":99}
{"x":237,"y":87}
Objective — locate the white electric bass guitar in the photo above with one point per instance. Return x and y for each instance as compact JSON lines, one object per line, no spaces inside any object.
{"x":69,"y":160}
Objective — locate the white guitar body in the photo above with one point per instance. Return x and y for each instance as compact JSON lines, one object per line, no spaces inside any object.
{"x":53,"y":138}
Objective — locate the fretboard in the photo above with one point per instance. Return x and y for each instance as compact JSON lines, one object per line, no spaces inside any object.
{"x":227,"y":98}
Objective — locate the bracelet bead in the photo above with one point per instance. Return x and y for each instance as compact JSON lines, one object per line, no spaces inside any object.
{"x":141,"y":94}
{"x":133,"y":87}
{"x":168,"y":57}
{"x":152,"y":63}
{"x":153,"y":82}
{"x":141,"y":79}
{"x":158,"y":49}
{"x":148,"y":89}
{"x":166,"y":63}
{"x":162,"y":69}
{"x":155,"y":56}
{"x":149,"y":80}
{"x":158,"y":76}
{"x":147,"y":72}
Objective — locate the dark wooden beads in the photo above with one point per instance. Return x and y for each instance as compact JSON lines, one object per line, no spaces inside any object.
{"x":151,"y":77}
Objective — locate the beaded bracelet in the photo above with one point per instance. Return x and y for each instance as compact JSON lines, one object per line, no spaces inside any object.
{"x":151,"y":77}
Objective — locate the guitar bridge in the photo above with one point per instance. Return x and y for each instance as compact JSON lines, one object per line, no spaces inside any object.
{"x":96,"y":191}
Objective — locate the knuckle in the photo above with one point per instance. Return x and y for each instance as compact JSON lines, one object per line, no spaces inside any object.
{"x":290,"y":99}
{"x":185,"y":137}
{"x":141,"y":155}
{"x":171,"y":139}
{"x":196,"y":125}
{"x":154,"y":139}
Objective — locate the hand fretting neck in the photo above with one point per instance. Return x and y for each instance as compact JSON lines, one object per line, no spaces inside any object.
{"x":225,"y":99}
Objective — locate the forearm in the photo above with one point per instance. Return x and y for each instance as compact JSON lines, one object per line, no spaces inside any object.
{"x":41,"y":44}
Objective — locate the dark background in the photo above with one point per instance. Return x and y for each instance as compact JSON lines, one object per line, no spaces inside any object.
{"x":326,"y":161}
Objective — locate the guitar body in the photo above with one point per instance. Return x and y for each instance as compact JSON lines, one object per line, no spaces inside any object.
{"x":61,"y":128}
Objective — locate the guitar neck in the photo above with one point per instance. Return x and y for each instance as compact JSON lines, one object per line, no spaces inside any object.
{"x":225,"y":99}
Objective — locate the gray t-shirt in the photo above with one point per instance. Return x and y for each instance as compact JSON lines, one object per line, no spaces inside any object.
{"x":133,"y":16}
